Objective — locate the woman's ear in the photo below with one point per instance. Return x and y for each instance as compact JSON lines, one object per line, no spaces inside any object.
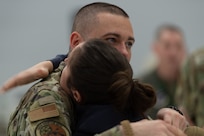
{"x":75,"y":39}
{"x":66,"y":60}
{"x":76,"y":95}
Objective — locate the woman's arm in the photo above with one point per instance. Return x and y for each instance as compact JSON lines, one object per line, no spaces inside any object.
{"x":38,"y":71}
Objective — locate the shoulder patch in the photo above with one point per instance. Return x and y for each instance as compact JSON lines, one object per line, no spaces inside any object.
{"x":47,"y":111}
{"x":51,"y":128}
{"x":46,"y":100}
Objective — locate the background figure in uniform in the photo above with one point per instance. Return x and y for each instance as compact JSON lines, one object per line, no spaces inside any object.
{"x":190,"y":91}
{"x":169,"y":48}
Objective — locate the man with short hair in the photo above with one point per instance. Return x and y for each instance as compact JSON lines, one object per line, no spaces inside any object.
{"x":45,"y":109}
{"x":170,"y":50}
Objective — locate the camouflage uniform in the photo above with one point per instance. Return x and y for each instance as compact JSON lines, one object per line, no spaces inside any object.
{"x":190,"y":91}
{"x":45,"y":110}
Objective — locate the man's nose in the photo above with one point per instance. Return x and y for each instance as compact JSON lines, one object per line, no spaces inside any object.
{"x":173,"y":51}
{"x":122,"y":48}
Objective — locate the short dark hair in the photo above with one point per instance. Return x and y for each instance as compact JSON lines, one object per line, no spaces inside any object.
{"x":102,"y":75}
{"x":167,"y":27}
{"x":86,"y":16}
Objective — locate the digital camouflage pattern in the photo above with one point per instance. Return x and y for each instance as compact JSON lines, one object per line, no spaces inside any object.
{"x":190,"y":91}
{"x":54,"y":110}
{"x":46,"y":110}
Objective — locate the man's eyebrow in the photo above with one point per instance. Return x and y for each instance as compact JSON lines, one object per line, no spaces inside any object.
{"x":131,"y":39}
{"x":118,"y":36}
{"x":113,"y":34}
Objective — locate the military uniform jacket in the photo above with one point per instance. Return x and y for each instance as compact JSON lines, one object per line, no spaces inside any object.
{"x":44,"y":110}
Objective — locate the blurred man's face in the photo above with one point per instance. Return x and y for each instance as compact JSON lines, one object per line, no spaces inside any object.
{"x":170,"y":49}
{"x":115,"y":29}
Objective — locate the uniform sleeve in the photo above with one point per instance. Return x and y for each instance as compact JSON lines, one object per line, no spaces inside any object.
{"x":44,"y":113}
{"x":184,"y":92}
{"x":115,"y":131}
{"x":189,"y":94}
{"x":56,"y":61}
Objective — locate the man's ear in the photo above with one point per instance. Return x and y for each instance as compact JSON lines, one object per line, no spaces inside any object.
{"x":75,"y":39}
{"x":76,"y":95}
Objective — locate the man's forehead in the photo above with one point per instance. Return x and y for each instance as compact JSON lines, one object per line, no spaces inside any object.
{"x":167,"y":33}
{"x":110,"y":24}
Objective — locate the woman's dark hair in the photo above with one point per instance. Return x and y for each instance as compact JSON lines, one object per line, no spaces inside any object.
{"x":102,"y":75}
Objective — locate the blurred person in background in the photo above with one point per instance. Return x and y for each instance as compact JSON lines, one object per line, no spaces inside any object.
{"x":170,"y":50}
{"x":190,"y":91}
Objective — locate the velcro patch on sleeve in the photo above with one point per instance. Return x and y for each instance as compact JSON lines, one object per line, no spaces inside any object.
{"x":46,"y":100}
{"x":47,"y":111}
{"x":51,"y":128}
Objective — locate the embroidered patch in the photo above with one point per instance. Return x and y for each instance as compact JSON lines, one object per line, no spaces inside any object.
{"x":47,"y":111}
{"x":51,"y":128}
